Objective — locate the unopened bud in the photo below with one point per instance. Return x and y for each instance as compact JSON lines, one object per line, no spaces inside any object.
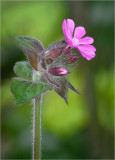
{"x":58,"y":71}
{"x":71,"y":59}
{"x":66,"y":50}
{"x":56,"y":53}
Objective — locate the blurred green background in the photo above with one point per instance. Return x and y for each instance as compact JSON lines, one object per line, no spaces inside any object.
{"x":83,"y":129}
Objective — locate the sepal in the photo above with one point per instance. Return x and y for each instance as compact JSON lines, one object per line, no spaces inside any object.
{"x":63,"y":89}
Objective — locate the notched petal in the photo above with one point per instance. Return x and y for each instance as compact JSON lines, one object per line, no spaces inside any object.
{"x":70,"y":25}
{"x":79,"y":32}
{"x":86,"y":40}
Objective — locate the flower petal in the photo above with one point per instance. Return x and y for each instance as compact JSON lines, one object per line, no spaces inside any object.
{"x":70,"y":25}
{"x":58,"y":71}
{"x":86,"y":54}
{"x":65,"y":30}
{"x":89,"y":48}
{"x":86,"y":40}
{"x":70,"y":42}
{"x":79,"y":32}
{"x":64,"y":27}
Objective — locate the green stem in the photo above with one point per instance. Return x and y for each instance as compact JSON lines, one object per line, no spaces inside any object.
{"x":37,"y":128}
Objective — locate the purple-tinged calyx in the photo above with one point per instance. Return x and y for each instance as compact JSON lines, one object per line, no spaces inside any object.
{"x":58,"y":71}
{"x":42,"y":62}
{"x":49,"y":60}
{"x":45,"y":53}
{"x":56,"y":53}
{"x":71,"y":59}
{"x":66,"y":50}
{"x":50,"y":80}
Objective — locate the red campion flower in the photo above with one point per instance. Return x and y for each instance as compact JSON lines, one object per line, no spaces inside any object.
{"x":76,"y":40}
{"x":53,"y":63}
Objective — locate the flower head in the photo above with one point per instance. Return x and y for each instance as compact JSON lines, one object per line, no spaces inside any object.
{"x":75,"y":39}
{"x":57,"y":59}
{"x":53,"y":63}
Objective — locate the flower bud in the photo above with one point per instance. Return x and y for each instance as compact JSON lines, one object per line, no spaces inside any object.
{"x":71,"y":59}
{"x":66,"y":50}
{"x":56,"y":53}
{"x":58,"y":71}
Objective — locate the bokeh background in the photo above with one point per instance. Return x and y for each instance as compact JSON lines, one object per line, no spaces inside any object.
{"x":83,"y":129}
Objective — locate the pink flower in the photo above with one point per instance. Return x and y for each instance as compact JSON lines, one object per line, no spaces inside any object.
{"x":83,"y":45}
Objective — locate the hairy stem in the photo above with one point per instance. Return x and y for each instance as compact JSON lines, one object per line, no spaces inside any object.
{"x":37,"y":128}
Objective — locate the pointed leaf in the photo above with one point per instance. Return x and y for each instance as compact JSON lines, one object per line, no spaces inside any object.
{"x":63,"y":89}
{"x":32,"y":49}
{"x":72,"y":88}
{"x":23,"y":69}
{"x":24,"y":91}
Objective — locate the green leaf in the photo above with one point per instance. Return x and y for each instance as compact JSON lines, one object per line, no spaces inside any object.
{"x":24,"y":91}
{"x":23,"y":69}
{"x":32,"y":48}
{"x":30,"y":43}
{"x":24,"y":43}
